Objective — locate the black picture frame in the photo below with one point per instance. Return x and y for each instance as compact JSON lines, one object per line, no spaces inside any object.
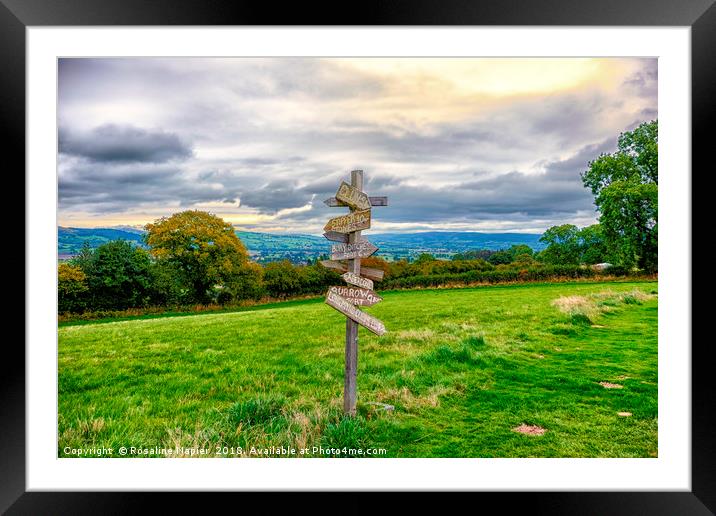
{"x":700,"y":15}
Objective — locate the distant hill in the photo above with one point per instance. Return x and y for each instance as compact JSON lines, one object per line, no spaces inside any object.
{"x":265,"y":247}
{"x":70,"y":240}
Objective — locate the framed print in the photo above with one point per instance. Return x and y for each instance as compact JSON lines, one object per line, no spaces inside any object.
{"x":198,"y":185}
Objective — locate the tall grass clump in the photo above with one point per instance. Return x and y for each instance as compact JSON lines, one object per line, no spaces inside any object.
{"x":584,"y":310}
{"x":256,"y":411}
{"x":349,"y":432}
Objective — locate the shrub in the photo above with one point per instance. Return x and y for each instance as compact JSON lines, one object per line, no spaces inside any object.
{"x":71,"y":288}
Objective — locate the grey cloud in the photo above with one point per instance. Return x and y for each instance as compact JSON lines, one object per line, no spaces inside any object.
{"x":557,"y":191}
{"x":275,"y":196}
{"x":227,"y":108}
{"x":113,"y":143}
{"x":111,"y":188}
{"x":645,"y":81}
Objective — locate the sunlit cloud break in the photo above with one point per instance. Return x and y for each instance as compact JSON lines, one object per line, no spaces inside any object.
{"x":461,"y":144}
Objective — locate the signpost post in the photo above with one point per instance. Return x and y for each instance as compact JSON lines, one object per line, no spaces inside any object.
{"x":352,"y":247}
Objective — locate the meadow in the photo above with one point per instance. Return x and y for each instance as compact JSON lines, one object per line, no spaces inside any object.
{"x":459,"y":374}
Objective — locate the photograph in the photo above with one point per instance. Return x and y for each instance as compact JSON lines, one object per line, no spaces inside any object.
{"x":225,"y":288}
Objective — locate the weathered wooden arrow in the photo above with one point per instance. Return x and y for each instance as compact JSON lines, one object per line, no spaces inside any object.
{"x":353,"y":197}
{"x":354,"y":279}
{"x":374,"y":201}
{"x":335,"y":236}
{"x":354,"y":221}
{"x":362,"y":249}
{"x":356,"y":295}
{"x":369,"y":272}
{"x":349,"y":310}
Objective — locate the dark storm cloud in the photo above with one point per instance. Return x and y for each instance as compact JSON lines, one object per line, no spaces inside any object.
{"x":111,"y":188}
{"x":556,"y":191}
{"x":275,"y":196}
{"x":113,"y":143}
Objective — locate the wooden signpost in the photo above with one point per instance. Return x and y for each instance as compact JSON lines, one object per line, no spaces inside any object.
{"x":374,"y":274}
{"x":335,"y":236}
{"x":349,"y":310}
{"x":354,"y":279}
{"x":357,"y":295}
{"x":374,"y":201}
{"x":354,"y":221}
{"x":353,"y":197}
{"x":362,"y":249}
{"x":352,"y":247}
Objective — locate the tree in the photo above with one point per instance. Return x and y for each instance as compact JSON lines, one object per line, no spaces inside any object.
{"x":424,"y":257}
{"x":71,"y":288}
{"x":500,"y":257}
{"x":562,"y":245}
{"x":521,"y":250}
{"x":625,"y":188}
{"x":118,"y":276}
{"x":474,"y":254}
{"x":246,"y":282}
{"x":282,"y":279}
{"x":592,"y":247}
{"x":204,"y":250}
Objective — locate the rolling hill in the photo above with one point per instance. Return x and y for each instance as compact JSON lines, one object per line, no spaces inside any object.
{"x":265,"y":247}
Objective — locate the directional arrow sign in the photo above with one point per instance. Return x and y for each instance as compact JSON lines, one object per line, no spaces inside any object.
{"x":352,"y":197}
{"x":335,"y":236}
{"x":354,"y":279}
{"x":362,"y":249}
{"x":345,"y":307}
{"x":355,"y":221}
{"x":369,"y":272}
{"x":357,"y":296}
{"x":374,"y":201}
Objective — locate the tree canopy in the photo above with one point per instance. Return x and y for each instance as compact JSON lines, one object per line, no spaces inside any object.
{"x":625,"y":188}
{"x":204,"y":250}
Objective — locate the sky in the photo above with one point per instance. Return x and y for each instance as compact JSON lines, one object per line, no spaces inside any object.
{"x":456,"y":144}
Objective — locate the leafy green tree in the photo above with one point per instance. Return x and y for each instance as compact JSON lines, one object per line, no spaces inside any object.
{"x":71,"y":288}
{"x":168,"y":288}
{"x":205,"y":251}
{"x":562,"y":245}
{"x":424,"y":257}
{"x":316,"y":278}
{"x":246,"y":282}
{"x":118,"y":276}
{"x":474,"y":254}
{"x":625,"y":188}
{"x":501,"y":257}
{"x":282,"y":279}
{"x":520,"y":250}
{"x":592,"y":247}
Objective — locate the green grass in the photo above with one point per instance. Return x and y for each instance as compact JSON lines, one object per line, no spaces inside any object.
{"x":461,"y":368}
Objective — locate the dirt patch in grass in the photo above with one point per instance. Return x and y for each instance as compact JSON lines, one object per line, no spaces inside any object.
{"x":608,"y":385}
{"x":529,"y":429}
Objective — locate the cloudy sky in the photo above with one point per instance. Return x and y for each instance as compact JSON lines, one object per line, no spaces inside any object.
{"x":456,"y":144}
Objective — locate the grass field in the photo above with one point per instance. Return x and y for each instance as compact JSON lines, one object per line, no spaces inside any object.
{"x":462,"y":368}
